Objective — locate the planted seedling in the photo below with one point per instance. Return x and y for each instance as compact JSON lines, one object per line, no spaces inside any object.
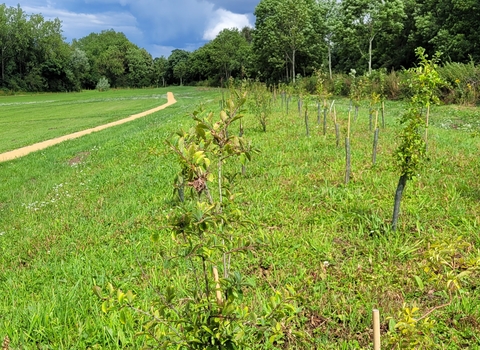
{"x":411,"y":152}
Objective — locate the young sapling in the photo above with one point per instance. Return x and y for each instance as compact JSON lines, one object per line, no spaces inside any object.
{"x":412,"y":149}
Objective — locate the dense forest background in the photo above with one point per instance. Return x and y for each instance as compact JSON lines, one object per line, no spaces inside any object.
{"x":291,"y":38}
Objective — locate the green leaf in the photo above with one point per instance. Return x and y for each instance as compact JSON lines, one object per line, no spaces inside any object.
{"x":155,"y":237}
{"x":105,"y":306}
{"x":110,"y":288}
{"x":98,"y":291}
{"x":120,"y":296}
{"x":130,"y":296}
{"x":419,"y":282}
{"x":391,"y":325}
{"x":206,"y":329}
{"x":122,"y":317}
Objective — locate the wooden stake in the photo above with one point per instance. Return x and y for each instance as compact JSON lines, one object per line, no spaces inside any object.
{"x":376,"y":329}
{"x":218,"y":292}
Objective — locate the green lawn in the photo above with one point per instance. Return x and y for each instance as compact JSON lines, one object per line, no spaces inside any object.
{"x":26,"y":119}
{"x":81,"y":213}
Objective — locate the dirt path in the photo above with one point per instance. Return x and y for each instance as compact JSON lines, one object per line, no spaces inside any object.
{"x":20,"y":152}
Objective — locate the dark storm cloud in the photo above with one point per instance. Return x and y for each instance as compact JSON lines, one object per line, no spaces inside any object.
{"x":157,"y":25}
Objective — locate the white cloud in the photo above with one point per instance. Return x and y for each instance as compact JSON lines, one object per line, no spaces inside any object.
{"x":223,"y":19}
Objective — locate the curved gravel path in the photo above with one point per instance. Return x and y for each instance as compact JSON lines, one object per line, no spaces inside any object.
{"x":20,"y":152}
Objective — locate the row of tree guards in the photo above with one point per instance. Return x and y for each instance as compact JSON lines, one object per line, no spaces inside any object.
{"x":322,"y":119}
{"x":323,"y":112}
{"x":412,"y":149}
{"x":410,"y":153}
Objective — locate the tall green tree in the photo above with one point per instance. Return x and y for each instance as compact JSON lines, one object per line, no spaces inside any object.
{"x":364,"y":20}
{"x":33,"y":53}
{"x":448,"y":26}
{"x":106,"y":52}
{"x":229,"y":52}
{"x":13,"y":40}
{"x":180,"y":70}
{"x":294,"y":24}
{"x":269,"y":55}
{"x":176,"y":57}
{"x":287,"y":36}
{"x":140,"y":67}
{"x":79,"y":65}
{"x":111,"y":64}
{"x":200,"y":66}
{"x":5,"y":40}
{"x":329,"y":10}
{"x":159,"y":70}
{"x":54,"y":56}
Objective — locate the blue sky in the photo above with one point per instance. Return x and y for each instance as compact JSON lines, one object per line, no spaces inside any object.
{"x":159,"y":26}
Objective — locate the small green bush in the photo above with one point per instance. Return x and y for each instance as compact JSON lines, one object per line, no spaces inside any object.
{"x":341,"y":84}
{"x":309,"y":84}
{"x":103,"y":84}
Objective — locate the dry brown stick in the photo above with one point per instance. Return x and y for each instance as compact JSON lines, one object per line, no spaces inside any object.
{"x":436,"y":308}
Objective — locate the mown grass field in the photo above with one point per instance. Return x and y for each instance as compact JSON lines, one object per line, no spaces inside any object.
{"x":81,"y":214}
{"x":27,"y":119}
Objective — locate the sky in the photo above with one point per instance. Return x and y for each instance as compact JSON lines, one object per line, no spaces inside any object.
{"x":159,"y":26}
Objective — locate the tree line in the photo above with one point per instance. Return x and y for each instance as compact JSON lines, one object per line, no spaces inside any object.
{"x":290,"y":38}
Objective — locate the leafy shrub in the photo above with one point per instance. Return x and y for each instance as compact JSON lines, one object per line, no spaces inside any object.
{"x":463,"y":83}
{"x":341,"y":85}
{"x":103,"y":84}
{"x":309,"y":84}
{"x":209,"y":82}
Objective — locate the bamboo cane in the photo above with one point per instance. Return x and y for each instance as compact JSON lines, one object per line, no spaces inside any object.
{"x":376,"y":329}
